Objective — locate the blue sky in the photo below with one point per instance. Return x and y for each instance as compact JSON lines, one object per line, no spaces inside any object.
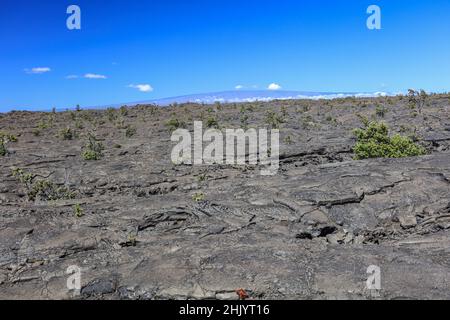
{"x":185,"y":47}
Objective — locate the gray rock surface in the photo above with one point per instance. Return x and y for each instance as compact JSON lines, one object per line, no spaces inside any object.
{"x":310,"y":232}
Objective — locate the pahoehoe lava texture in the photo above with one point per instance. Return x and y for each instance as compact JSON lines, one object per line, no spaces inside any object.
{"x":310,"y":232}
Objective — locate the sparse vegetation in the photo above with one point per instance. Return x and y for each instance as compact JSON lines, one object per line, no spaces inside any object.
{"x":417,"y":99}
{"x":3,"y":150}
{"x":174,"y":124}
{"x":43,"y":190}
{"x":4,"y":139}
{"x":380,"y":111}
{"x":93,"y":149}
{"x":288,"y":140}
{"x":123,"y":111}
{"x":66,"y":134}
{"x":198,"y":197}
{"x":244,"y":121}
{"x":111,"y":114}
{"x":130,"y":131}
{"x":78,"y":211}
{"x":307,"y":121}
{"x":274,"y":120}
{"x":212,"y":122}
{"x":374,"y":142}
{"x":131,"y":240}
{"x":22,"y":176}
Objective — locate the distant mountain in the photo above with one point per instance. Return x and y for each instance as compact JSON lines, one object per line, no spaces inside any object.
{"x":249,"y":96}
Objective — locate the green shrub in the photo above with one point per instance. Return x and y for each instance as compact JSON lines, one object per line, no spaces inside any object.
{"x":417,"y":99}
{"x":374,"y":142}
{"x":288,"y":140}
{"x":93,"y":149}
{"x":244,"y":121}
{"x":3,"y":150}
{"x":4,"y":139}
{"x":198,"y":197}
{"x":274,"y":120}
{"x":131,"y":240}
{"x":46,"y":190}
{"x":212,"y":122}
{"x":111,"y":114}
{"x":307,"y":121}
{"x":22,"y":176}
{"x":174,"y":124}
{"x":78,"y":211}
{"x":43,"y":189}
{"x":123,"y":111}
{"x":130,"y":132}
{"x":66,"y":134}
{"x":380,"y":111}
{"x":45,"y":124}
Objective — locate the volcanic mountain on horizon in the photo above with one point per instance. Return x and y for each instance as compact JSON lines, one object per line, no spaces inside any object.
{"x":249,"y":96}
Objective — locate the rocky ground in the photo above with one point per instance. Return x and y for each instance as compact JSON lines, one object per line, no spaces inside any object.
{"x":141,"y":227}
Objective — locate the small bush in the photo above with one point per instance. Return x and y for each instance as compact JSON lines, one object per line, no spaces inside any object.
{"x":93,"y":150}
{"x":374,"y":142}
{"x":41,"y":189}
{"x":123,"y":111}
{"x":66,"y":134}
{"x":22,"y":176}
{"x":46,"y":190}
{"x":307,"y":121}
{"x":78,"y":211}
{"x":131,"y":240}
{"x":288,"y":140}
{"x":130,"y":132}
{"x":4,"y":139}
{"x":417,"y":99}
{"x":274,"y":120}
{"x":3,"y":150}
{"x":174,"y":124}
{"x":212,"y":122}
{"x":380,"y":111}
{"x":111,"y":114}
{"x":198,"y":197}
{"x":45,"y":124}
{"x":244,"y":121}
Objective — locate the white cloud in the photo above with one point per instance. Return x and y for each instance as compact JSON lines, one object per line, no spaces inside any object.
{"x":142,"y":87}
{"x":38,"y":70}
{"x":72,"y":76}
{"x":274,"y":86}
{"x":239,"y":87}
{"x":94,"y":76}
